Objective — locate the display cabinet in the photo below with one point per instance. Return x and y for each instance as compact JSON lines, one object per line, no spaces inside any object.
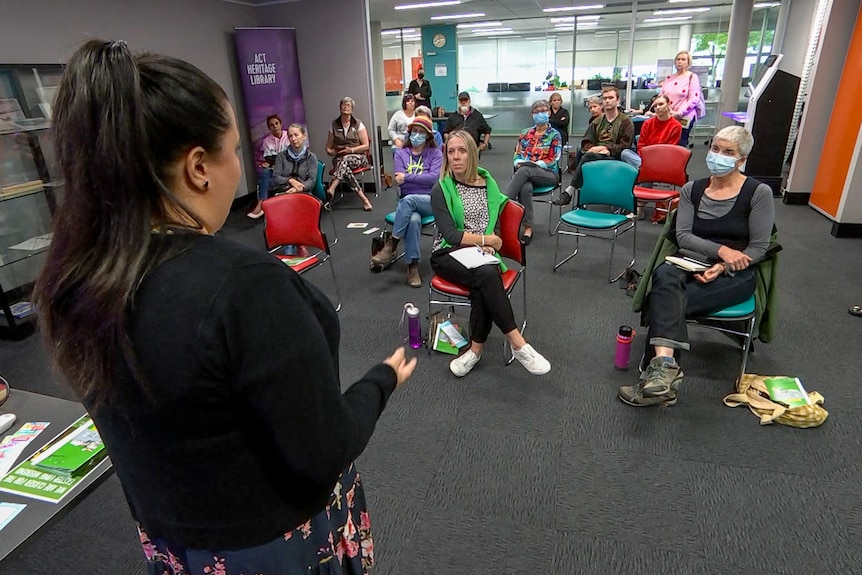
{"x":28,"y":196}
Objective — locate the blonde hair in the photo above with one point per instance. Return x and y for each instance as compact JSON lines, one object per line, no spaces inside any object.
{"x":471,"y":172}
{"x":687,"y":57}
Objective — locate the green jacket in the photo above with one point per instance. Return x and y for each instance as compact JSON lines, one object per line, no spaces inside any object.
{"x":496,"y":201}
{"x":765,"y":294}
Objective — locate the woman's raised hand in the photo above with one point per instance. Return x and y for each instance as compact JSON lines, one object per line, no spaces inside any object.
{"x":402,"y":366}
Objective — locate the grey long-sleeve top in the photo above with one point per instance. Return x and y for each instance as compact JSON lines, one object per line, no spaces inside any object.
{"x":760,"y":222}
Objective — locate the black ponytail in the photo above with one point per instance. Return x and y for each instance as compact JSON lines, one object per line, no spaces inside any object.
{"x":121,"y":123}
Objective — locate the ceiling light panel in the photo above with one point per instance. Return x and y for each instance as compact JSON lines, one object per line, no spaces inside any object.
{"x":428,"y":4}
{"x":673,"y":19}
{"x":456,"y":16}
{"x":480,"y":25}
{"x":677,"y":11}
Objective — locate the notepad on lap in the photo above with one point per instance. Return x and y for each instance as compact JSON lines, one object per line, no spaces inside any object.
{"x":688,"y":264}
{"x":473,"y":257}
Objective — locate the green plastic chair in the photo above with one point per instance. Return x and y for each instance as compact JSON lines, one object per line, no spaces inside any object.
{"x":606,"y":183}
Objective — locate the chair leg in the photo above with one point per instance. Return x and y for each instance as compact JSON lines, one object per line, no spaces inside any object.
{"x":557,"y":244}
{"x":334,"y":229}
{"x":746,"y":347}
{"x":335,"y":284}
{"x":634,"y":229}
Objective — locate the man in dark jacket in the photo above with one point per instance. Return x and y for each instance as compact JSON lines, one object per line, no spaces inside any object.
{"x":469,"y":119}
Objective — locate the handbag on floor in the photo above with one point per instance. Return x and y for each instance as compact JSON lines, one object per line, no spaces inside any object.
{"x":753,"y":392}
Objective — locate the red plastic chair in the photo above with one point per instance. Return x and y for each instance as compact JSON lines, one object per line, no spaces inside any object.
{"x":662,"y":164}
{"x":512,"y":249}
{"x":294,"y":219}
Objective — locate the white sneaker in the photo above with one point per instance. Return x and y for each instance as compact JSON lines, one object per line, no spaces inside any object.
{"x":532,"y":360}
{"x":464,"y":363}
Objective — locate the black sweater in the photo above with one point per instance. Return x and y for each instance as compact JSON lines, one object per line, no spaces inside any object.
{"x":244,"y":430}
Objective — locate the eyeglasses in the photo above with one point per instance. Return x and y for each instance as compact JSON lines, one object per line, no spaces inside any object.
{"x":4,"y":390}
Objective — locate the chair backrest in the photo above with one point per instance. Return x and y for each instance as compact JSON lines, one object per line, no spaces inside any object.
{"x":510,"y":230}
{"x":665,"y":164}
{"x":608,"y":182}
{"x":319,"y":191}
{"x":293,"y":219}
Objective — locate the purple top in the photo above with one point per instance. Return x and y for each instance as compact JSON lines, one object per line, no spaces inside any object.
{"x":421,"y":171}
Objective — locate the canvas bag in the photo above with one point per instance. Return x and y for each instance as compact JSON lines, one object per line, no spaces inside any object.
{"x":751,"y":391}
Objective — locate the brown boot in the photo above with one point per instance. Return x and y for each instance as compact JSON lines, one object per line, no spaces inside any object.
{"x":413,"y":279}
{"x":388,"y":253}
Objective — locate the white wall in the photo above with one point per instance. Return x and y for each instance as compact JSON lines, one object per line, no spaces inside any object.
{"x":199,"y":31}
{"x":796,"y":35}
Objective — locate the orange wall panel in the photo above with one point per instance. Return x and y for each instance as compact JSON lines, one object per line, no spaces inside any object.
{"x":840,"y":142}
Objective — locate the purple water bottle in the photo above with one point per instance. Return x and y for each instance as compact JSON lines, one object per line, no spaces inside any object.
{"x":624,"y":347}
{"x":414,"y":325}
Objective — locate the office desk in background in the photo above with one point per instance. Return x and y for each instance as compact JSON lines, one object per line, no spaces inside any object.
{"x":38,"y":515}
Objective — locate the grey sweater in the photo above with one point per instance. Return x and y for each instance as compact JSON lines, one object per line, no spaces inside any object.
{"x":306,"y":170}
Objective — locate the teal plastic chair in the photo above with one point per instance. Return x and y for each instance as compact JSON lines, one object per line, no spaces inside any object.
{"x":319,"y":192}
{"x":545,"y":195}
{"x":606,"y":183}
{"x":727,"y":321}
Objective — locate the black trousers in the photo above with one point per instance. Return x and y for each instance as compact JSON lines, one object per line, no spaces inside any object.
{"x":488,"y":300}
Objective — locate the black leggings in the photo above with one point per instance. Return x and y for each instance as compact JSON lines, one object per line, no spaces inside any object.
{"x":488,"y":300}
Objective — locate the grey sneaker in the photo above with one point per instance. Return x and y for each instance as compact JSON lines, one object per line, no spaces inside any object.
{"x":660,"y":377}
{"x":633,"y":395}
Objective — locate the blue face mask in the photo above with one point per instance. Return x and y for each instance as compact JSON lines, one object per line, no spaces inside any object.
{"x":720,"y":165}
{"x":417,"y":139}
{"x":541,"y":118}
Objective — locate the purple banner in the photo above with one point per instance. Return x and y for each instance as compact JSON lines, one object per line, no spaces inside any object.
{"x":269,"y":72}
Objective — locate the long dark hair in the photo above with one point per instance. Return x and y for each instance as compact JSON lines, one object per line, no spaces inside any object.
{"x":121,"y":123}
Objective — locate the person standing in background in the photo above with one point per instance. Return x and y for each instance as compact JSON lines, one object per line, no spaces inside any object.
{"x":559,"y":117}
{"x":420,"y":88}
{"x":683,"y":89}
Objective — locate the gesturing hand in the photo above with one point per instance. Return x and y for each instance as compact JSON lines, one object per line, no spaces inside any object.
{"x":710,"y":274}
{"x":402,"y":366}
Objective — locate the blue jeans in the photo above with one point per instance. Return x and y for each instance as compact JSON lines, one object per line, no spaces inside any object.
{"x":264,"y":179}
{"x":408,"y":222}
{"x":676,"y":295}
{"x":631,"y":158}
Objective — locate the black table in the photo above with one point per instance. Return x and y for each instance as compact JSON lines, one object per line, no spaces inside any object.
{"x":39,"y":515}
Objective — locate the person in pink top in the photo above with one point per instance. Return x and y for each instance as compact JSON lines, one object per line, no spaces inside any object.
{"x":683,"y":89}
{"x":274,"y":144}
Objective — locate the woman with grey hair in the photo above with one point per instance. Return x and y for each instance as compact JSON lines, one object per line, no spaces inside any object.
{"x":724,"y":221}
{"x":348,"y":143}
{"x":536,"y":156}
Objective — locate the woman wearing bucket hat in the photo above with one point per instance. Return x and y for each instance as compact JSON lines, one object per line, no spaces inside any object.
{"x":417,"y":169}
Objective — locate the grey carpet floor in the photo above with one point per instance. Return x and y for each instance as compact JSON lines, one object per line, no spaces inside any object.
{"x":506,"y":473}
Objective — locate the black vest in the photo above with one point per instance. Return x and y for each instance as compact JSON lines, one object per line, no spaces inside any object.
{"x":731,"y":229}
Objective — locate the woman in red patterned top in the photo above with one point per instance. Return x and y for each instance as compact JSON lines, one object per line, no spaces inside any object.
{"x":536,"y":156}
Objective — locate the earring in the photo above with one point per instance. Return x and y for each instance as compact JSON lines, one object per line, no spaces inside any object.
{"x":206,"y":184}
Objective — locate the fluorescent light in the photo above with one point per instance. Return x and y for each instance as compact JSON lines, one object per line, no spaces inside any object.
{"x":428,"y":4}
{"x":767,"y":4}
{"x":491,"y":30}
{"x":411,"y":37}
{"x":674,"y":19}
{"x":563,"y":19}
{"x":678,"y":1}
{"x":570,"y":8}
{"x":588,"y":17}
{"x":679,"y":11}
{"x":405,"y":30}
{"x":454,"y":16}
{"x":479,"y":25}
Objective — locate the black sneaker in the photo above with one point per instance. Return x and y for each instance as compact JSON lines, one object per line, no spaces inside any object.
{"x":564,"y":200}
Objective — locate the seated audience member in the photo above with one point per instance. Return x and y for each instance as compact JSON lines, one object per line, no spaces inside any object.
{"x":348,"y":143}
{"x":467,"y":203}
{"x":725,"y":220}
{"x":660,"y":129}
{"x":274,"y":144}
{"x":470,"y":120}
{"x":594,"y":106}
{"x":226,"y":425}
{"x":608,"y":135}
{"x":559,"y":117}
{"x":417,"y":169}
{"x":426,"y":111}
{"x":295,"y":168}
{"x":536,"y":155}
{"x":400,"y":120}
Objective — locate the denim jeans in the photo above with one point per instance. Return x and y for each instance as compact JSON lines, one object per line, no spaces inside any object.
{"x":631,"y":158}
{"x":408,"y":222}
{"x":264,"y":179}
{"x":676,"y":295}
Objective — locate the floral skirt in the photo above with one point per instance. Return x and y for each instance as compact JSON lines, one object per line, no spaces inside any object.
{"x":336,"y":541}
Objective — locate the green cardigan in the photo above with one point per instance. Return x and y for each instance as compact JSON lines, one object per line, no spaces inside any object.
{"x":496,"y":201}
{"x":765,"y":294}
